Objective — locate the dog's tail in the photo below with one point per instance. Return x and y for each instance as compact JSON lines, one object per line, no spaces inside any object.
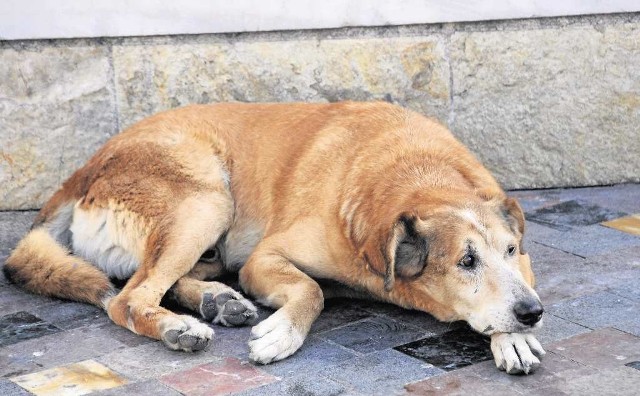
{"x":42,"y":265}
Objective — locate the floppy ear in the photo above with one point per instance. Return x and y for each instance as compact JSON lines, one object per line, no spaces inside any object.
{"x":513,"y":214}
{"x":399,"y":252}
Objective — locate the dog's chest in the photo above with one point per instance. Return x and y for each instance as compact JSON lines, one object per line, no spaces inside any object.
{"x":239,"y":243}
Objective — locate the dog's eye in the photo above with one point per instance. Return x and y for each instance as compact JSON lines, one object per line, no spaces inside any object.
{"x":468,"y":261}
{"x":511,"y":250}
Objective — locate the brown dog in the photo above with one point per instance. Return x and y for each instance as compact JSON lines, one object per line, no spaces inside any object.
{"x":370,"y":196}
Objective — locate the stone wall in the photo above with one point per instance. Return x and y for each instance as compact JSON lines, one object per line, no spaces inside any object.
{"x":544,"y":103}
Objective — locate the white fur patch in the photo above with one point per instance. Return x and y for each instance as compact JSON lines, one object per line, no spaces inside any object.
{"x":516,"y":353}
{"x":111,"y":240}
{"x":470,"y":216}
{"x":274,"y":339}
{"x":239,"y":243}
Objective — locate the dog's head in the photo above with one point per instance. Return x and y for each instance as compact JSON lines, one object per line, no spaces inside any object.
{"x":459,"y":260}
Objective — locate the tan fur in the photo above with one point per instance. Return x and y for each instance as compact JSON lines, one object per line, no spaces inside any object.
{"x":41,"y":265}
{"x":301,"y":191}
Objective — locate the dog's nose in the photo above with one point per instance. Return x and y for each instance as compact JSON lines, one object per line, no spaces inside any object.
{"x":529,"y":311}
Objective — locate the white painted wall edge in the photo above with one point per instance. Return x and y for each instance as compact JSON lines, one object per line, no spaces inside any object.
{"x":38,"y":19}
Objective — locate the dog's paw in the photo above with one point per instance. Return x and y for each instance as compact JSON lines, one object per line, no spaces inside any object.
{"x":516,"y":353}
{"x":228,"y":308}
{"x":274,"y":339}
{"x":185,"y":333}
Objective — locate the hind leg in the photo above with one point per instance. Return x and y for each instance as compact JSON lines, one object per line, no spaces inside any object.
{"x":173,"y":248}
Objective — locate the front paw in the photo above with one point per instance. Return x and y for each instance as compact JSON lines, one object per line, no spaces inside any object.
{"x":274,"y":339}
{"x":185,"y":333}
{"x":516,"y":353}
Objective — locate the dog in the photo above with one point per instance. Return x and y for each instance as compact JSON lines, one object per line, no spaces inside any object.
{"x":306,"y":202}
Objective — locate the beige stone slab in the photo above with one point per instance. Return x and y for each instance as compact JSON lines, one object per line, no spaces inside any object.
{"x":71,"y":380}
{"x":411,"y":71}
{"x":550,"y":107}
{"x":629,"y":224}
{"x":56,"y":108}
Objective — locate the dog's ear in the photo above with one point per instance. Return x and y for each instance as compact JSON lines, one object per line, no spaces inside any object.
{"x":400,"y":252}
{"x":513,"y":214}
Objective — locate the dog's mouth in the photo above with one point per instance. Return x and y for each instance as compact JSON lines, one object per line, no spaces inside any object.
{"x":488,"y":330}
{"x":506,"y":323}
{"x":513,"y":328}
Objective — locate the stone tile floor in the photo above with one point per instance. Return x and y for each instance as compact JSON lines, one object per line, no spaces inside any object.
{"x":585,"y":244}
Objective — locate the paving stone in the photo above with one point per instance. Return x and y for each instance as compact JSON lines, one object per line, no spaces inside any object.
{"x":314,"y":356}
{"x":13,"y":226}
{"x":589,"y":240}
{"x":621,"y":197}
{"x":151,"y":387}
{"x":629,"y":224}
{"x":229,"y":375}
{"x":618,"y":271}
{"x":381,"y":373}
{"x":373,"y":334}
{"x":631,"y":326}
{"x":338,"y":312}
{"x":230,"y":341}
{"x":374,"y":307}
{"x":626,"y":287}
{"x":597,"y":310}
{"x":602,"y":348}
{"x":459,"y":384}
{"x":70,"y":315}
{"x":555,"y":328}
{"x":530,"y":200}
{"x":422,"y":321}
{"x":615,"y":381}
{"x":8,"y":388}
{"x":122,"y":335}
{"x":617,"y":260}
{"x":535,"y":232}
{"x":153,"y":360}
{"x":554,"y":369}
{"x":635,"y":365}
{"x":418,"y":319}
{"x":565,"y":215}
{"x":559,"y":275}
{"x":74,"y":379}
{"x":427,"y":323}
{"x":451,"y":350}
{"x":21,"y":326}
{"x":53,"y":350}
{"x":13,"y":299}
{"x":297,"y":386}
{"x":4,"y":254}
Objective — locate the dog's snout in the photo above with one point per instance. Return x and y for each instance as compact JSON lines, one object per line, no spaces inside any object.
{"x":529,"y":311}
